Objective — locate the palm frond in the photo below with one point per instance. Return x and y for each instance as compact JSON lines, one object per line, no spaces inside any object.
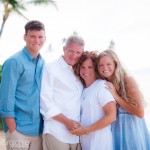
{"x":21,"y":14}
{"x":41,"y":2}
{"x":17,"y":4}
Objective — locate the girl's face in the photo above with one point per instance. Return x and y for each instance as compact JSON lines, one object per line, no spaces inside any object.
{"x":106,"y":67}
{"x":87,"y":71}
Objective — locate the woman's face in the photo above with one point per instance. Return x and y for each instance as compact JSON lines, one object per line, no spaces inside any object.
{"x":106,"y":67}
{"x":87,"y":71}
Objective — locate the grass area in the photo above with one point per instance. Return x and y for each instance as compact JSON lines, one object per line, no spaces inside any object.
{"x":0,"y":82}
{"x":0,"y":124}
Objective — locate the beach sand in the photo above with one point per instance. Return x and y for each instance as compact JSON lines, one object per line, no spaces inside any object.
{"x":2,"y":141}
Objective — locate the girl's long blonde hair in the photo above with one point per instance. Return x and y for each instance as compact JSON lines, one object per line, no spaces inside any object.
{"x":119,"y":74}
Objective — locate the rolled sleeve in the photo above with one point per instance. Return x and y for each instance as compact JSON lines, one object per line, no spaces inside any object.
{"x":7,"y":114}
{"x":52,"y":112}
{"x":48,"y":107}
{"x":8,"y":88}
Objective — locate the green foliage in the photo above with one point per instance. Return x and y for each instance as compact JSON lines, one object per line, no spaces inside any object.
{"x":0,"y":123}
{"x":0,"y":72}
{"x":0,"y":81}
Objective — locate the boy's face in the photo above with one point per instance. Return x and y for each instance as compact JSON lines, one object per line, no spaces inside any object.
{"x":35,"y":40}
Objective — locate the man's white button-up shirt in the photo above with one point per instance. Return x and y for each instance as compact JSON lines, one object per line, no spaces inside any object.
{"x":60,"y":93}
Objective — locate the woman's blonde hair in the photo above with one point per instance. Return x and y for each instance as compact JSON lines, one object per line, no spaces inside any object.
{"x":119,"y":74}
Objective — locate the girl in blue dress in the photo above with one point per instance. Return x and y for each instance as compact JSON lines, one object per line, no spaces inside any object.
{"x":129,"y":130}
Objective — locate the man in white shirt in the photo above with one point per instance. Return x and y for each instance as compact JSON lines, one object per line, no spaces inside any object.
{"x":60,"y":98}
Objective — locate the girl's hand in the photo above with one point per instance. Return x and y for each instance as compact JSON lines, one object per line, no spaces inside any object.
{"x":112,"y":89}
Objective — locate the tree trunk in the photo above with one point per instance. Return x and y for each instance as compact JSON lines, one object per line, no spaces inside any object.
{"x":2,"y":27}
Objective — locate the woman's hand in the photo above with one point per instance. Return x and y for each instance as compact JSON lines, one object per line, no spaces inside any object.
{"x":79,"y":131}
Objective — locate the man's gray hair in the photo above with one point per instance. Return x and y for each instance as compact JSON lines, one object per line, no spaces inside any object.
{"x":75,"y":39}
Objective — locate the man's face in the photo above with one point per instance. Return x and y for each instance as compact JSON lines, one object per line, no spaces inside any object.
{"x":72,"y":53}
{"x":34,"y":40}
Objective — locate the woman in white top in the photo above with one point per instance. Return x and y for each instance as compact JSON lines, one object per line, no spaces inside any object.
{"x":98,"y":107}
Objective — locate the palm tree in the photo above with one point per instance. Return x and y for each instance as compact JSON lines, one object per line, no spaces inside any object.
{"x":18,"y":6}
{"x":112,"y":45}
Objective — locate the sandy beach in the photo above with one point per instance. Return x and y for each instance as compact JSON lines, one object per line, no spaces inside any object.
{"x":2,"y":141}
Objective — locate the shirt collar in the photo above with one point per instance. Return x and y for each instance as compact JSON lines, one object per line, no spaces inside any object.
{"x":63,"y":63}
{"x":29,"y":56}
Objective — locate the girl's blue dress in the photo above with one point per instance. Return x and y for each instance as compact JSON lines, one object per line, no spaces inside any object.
{"x":130,"y":132}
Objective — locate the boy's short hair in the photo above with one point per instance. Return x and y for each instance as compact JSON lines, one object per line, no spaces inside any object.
{"x":34,"y":25}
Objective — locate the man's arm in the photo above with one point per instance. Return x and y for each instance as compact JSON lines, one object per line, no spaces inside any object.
{"x":9,"y":80}
{"x":48,"y":107}
{"x":11,"y":124}
{"x":70,"y":124}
